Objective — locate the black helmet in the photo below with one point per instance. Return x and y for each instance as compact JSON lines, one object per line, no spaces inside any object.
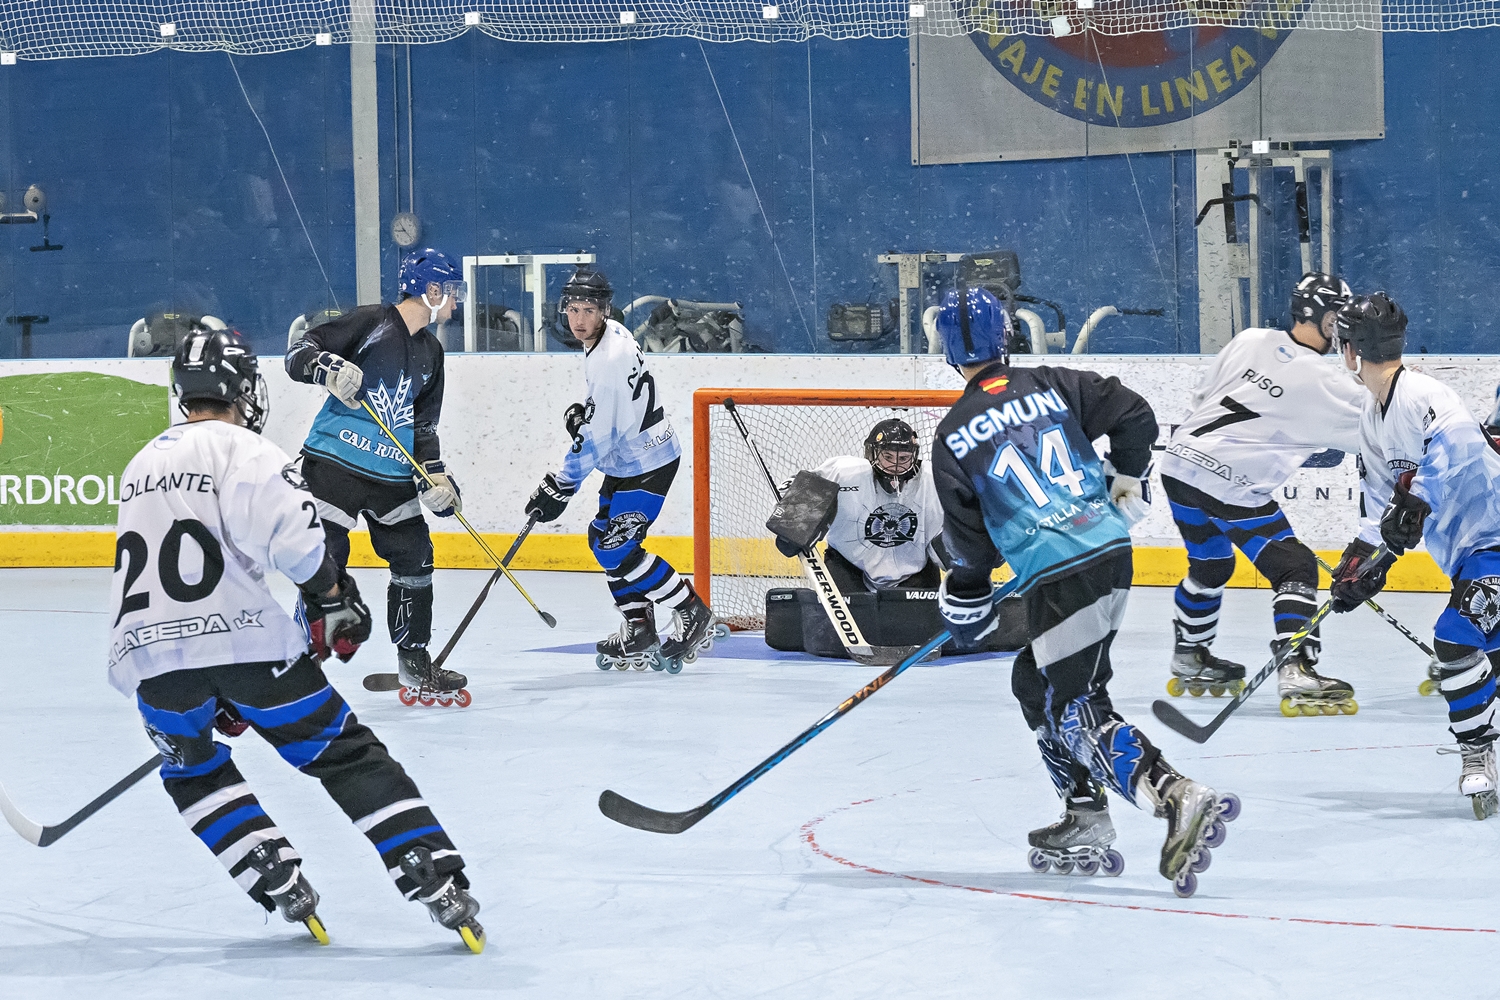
{"x":1318,"y":294}
{"x":1374,"y":325}
{"x":218,"y":365}
{"x":895,"y":435}
{"x":587,"y":285}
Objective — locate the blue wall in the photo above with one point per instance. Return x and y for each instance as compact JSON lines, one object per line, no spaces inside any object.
{"x":165,"y":195}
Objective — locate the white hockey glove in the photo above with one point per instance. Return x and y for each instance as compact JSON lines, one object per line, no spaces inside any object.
{"x":340,"y":377}
{"x":1132,"y":495}
{"x":441,"y":496}
{"x":969,"y":619}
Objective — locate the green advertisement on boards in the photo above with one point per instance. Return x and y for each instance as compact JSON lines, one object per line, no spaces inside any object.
{"x":65,"y":437}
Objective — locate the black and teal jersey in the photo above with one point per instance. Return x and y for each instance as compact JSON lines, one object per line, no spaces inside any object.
{"x":403,"y":382}
{"x":1019,"y":479}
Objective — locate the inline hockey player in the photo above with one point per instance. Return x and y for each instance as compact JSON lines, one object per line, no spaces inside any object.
{"x":623,"y":431}
{"x":1265,"y":405}
{"x":1428,"y":473}
{"x":888,"y":522}
{"x":206,"y":511}
{"x":386,"y":355}
{"x":1019,"y":481}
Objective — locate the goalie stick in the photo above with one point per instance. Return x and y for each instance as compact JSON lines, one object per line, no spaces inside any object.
{"x":622,"y":810}
{"x":818,"y":578}
{"x":551,"y":622}
{"x":42,"y":836}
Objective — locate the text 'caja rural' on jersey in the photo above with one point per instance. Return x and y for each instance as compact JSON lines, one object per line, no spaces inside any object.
{"x":1264,"y":406}
{"x":626,"y":430}
{"x":403,"y":383}
{"x":206,"y":510}
{"x":887,"y":535}
{"x":1019,"y":479}
{"x":1425,"y":429}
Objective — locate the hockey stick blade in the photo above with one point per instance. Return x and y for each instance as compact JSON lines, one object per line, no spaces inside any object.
{"x":43,"y":836}
{"x":627,"y":813}
{"x":383,"y":682}
{"x":1182,"y":725}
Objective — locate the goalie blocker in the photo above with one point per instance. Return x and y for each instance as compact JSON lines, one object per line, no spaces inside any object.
{"x":900,"y":616}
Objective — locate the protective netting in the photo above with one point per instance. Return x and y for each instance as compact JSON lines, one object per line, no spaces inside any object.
{"x":60,"y":29}
{"x":744,"y":563}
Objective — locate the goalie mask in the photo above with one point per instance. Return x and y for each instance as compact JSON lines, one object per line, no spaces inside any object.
{"x":891,"y":449}
{"x":218,"y":365}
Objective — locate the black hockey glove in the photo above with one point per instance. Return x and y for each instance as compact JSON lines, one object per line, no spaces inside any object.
{"x":576,"y":415}
{"x":338,"y":625}
{"x":1401,"y":524}
{"x":786,"y":548}
{"x":549,"y":499}
{"x":1357,"y":578}
{"x":969,"y":619}
{"x":228,"y":720}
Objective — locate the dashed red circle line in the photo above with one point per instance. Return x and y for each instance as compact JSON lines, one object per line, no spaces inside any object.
{"x":809,"y":837}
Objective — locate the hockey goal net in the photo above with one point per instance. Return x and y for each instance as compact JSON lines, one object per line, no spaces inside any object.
{"x":734,"y":557}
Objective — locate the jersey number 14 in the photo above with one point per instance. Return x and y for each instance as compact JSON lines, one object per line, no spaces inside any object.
{"x":1056,"y":464}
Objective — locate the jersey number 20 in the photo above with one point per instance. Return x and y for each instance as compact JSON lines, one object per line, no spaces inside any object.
{"x":132,"y":551}
{"x":1055,"y":456}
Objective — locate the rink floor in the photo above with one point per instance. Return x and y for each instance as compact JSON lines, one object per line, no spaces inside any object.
{"x":887,"y":858}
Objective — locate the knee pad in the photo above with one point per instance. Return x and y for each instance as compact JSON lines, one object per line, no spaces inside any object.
{"x":408,"y":613}
{"x":1068,"y":776}
{"x":1209,"y":574}
{"x":1287,"y":562}
{"x":1115,"y":752}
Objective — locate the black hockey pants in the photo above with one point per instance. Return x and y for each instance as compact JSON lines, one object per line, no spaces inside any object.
{"x":294,"y":708}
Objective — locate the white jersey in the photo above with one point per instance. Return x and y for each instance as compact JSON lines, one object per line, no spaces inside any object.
{"x":1264,"y":406}
{"x":205,"y":510}
{"x":626,"y":431}
{"x":889,"y":536}
{"x":1425,"y":429}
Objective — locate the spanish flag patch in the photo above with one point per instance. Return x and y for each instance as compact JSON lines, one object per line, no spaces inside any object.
{"x":995,"y":386}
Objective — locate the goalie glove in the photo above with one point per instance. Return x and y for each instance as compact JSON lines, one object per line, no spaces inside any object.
{"x":1356,"y":578}
{"x":1401,"y":524}
{"x":337,"y":625}
{"x":342,"y":378}
{"x":969,"y":619}
{"x":1131,"y":494}
{"x":550,"y":499}
{"x":441,"y":495}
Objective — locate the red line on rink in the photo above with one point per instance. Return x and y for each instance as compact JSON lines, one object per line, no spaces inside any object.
{"x":809,"y":836}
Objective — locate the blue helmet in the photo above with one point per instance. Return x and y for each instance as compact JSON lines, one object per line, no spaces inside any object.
{"x":977,"y":334}
{"x":421,"y":268}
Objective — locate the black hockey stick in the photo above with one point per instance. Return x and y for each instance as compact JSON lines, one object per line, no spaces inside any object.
{"x":391,"y":682}
{"x":1389,"y":618}
{"x":42,"y":836}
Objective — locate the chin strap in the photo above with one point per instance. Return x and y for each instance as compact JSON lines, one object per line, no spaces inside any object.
{"x":435,"y":309}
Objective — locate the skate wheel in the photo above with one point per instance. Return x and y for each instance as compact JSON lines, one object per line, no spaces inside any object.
{"x":1329,"y":709}
{"x":1349,"y":707}
{"x":1063,"y":866}
{"x":1428,"y":688}
{"x":408,"y":697}
{"x":1485,"y":804}
{"x":474,"y":941}
{"x":622,"y":665}
{"x":1112,"y":864}
{"x":1196,"y":690}
{"x":689,"y":656}
{"x":427,"y":699}
{"x":1229,"y":807}
{"x":319,"y":933}
{"x":1311,"y":710}
{"x":1216,"y":835}
{"x":445,"y":699}
{"x":1217,"y":690}
{"x":1288,"y":709}
{"x":1236,"y":688}
{"x":462,"y":698}
{"x":601,"y":662}
{"x":1087,"y":867}
{"x":641,"y":664}
{"x":1038,"y":861}
{"x":657,"y":663}
{"x":1185,"y":884}
{"x":1201,"y":860}
{"x":721,"y":631}
{"x":1175,"y":687}
{"x":673,"y":666}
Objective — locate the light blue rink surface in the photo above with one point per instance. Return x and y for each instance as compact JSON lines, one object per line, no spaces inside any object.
{"x":886,"y":858}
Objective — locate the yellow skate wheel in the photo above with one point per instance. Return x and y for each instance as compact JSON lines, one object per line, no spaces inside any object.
{"x":1288,"y":709}
{"x":1217,"y":690}
{"x":1311,"y":710}
{"x":1175,"y":687}
{"x":1235,"y":688}
{"x":1427,"y":688}
{"x":1329,"y":708}
{"x":316,"y":926}
{"x":1349,"y":707}
{"x":1196,"y":690}
{"x":474,"y":941}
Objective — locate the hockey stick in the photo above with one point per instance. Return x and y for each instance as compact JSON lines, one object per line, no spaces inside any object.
{"x":392,"y":682}
{"x":1384,"y":614}
{"x":551,"y":622}
{"x":42,"y":836}
{"x":816,"y":573}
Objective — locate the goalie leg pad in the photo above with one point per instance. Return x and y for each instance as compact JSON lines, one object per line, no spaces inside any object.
{"x":806,"y":509}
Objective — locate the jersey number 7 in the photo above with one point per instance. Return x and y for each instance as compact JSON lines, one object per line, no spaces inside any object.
{"x":1238,"y":413}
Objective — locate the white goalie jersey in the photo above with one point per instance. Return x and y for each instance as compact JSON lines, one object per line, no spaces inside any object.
{"x":889,"y":536}
{"x":206,"y":508}
{"x":1265,"y":405}
{"x":626,"y":430}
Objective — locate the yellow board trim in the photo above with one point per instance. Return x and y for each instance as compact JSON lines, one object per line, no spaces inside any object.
{"x":1155,"y":566}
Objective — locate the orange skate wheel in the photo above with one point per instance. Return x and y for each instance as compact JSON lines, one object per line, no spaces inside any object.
{"x":462,"y":698}
{"x":408,"y":697}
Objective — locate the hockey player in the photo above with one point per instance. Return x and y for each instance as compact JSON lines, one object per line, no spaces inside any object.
{"x":1019,"y":480}
{"x":1267,"y":403}
{"x":1428,"y":473}
{"x":622,"y":430}
{"x":207,"y":509}
{"x":386,"y":356}
{"x":888,"y":522}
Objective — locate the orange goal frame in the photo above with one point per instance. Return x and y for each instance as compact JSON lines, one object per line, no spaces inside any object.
{"x":705,"y":399}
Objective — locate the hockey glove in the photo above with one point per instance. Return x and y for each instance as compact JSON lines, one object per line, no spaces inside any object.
{"x":970,"y":619}
{"x":786,"y":548}
{"x":228,"y":720}
{"x":1131,"y":494}
{"x":1401,"y":524}
{"x":340,"y":377}
{"x":441,"y":496}
{"x":338,"y":625}
{"x":576,"y":415}
{"x":1357,"y":578}
{"x":549,"y":499}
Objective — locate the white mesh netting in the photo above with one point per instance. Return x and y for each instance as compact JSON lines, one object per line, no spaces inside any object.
{"x":60,"y":29}
{"x":744,"y":563}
